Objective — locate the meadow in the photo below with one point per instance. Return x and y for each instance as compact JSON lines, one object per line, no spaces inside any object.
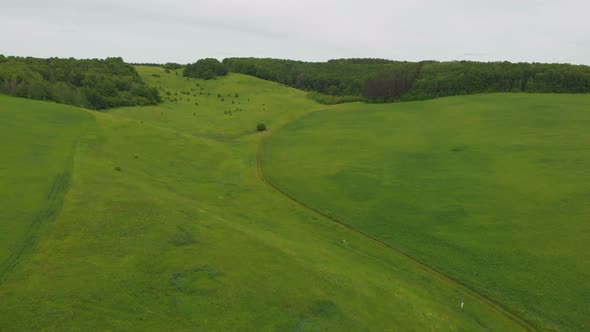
{"x":38,"y":142}
{"x":165,"y":223}
{"x":491,"y":190}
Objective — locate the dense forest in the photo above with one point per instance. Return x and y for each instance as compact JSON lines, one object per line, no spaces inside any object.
{"x":95,"y":84}
{"x":342,"y":77}
{"x":379,"y":80}
{"x":437,"y":79}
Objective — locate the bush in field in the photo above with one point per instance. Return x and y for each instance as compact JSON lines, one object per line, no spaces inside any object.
{"x":261,"y":127}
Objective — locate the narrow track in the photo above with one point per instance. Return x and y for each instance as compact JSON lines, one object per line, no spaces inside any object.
{"x":499,"y":308}
{"x":55,"y":200}
{"x":41,"y":218}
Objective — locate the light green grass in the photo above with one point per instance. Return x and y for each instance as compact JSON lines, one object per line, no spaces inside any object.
{"x":492,"y":190}
{"x":186,"y":236}
{"x":258,"y":101}
{"x":38,"y":141}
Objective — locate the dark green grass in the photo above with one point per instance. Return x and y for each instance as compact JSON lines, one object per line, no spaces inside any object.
{"x":493,"y":190}
{"x":162,"y":230}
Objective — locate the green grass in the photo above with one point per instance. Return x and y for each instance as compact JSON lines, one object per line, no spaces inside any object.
{"x":164,"y":229}
{"x":38,"y":141}
{"x":492,"y":190}
{"x":203,"y":113}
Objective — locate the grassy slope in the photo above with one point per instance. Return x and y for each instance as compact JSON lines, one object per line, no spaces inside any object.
{"x":186,"y":236}
{"x":258,"y":100}
{"x":37,"y":146}
{"x":491,"y":189}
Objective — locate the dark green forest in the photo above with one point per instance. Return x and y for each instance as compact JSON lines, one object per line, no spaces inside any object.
{"x":378,"y":80}
{"x":341,"y":77}
{"x":437,"y":79}
{"x":94,"y":84}
{"x":205,"y":69}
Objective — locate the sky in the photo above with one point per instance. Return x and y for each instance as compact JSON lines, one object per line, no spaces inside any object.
{"x":311,"y":30}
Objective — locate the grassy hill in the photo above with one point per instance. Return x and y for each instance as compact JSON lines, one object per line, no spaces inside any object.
{"x":38,"y":143}
{"x":221,"y":108}
{"x":166,"y":224}
{"x":492,"y":190}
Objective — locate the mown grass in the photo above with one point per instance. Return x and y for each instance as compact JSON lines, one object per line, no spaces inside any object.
{"x":163,"y":229}
{"x":492,"y":190}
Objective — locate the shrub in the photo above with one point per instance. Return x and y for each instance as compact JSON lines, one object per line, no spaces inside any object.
{"x":261,"y":127}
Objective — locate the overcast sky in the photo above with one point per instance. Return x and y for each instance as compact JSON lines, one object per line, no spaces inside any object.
{"x":184,"y":30}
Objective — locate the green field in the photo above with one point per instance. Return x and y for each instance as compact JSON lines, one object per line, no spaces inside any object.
{"x":492,"y":190}
{"x":158,"y":217}
{"x":38,"y":142}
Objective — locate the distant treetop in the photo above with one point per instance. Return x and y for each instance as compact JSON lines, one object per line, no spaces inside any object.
{"x":381,"y":80}
{"x":363,"y":61}
{"x":206,"y":69}
{"x":172,"y":65}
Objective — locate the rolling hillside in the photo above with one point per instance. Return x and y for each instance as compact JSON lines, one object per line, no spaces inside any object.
{"x":39,"y":140}
{"x":167,"y":224}
{"x":491,"y":190}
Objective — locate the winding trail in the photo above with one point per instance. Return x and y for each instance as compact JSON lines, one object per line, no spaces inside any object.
{"x":477,"y":296}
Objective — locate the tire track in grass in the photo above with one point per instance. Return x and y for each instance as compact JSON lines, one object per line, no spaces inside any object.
{"x":44,"y":216}
{"x":55,"y":199}
{"x":474,"y":294}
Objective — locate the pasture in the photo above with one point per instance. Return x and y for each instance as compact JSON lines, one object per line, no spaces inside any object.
{"x":167,"y":224}
{"x":491,"y":190}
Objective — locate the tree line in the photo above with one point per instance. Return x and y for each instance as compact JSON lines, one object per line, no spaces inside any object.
{"x":339,"y":77}
{"x":99,"y":84}
{"x":379,"y":80}
{"x":93,"y":83}
{"x":438,"y":79}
